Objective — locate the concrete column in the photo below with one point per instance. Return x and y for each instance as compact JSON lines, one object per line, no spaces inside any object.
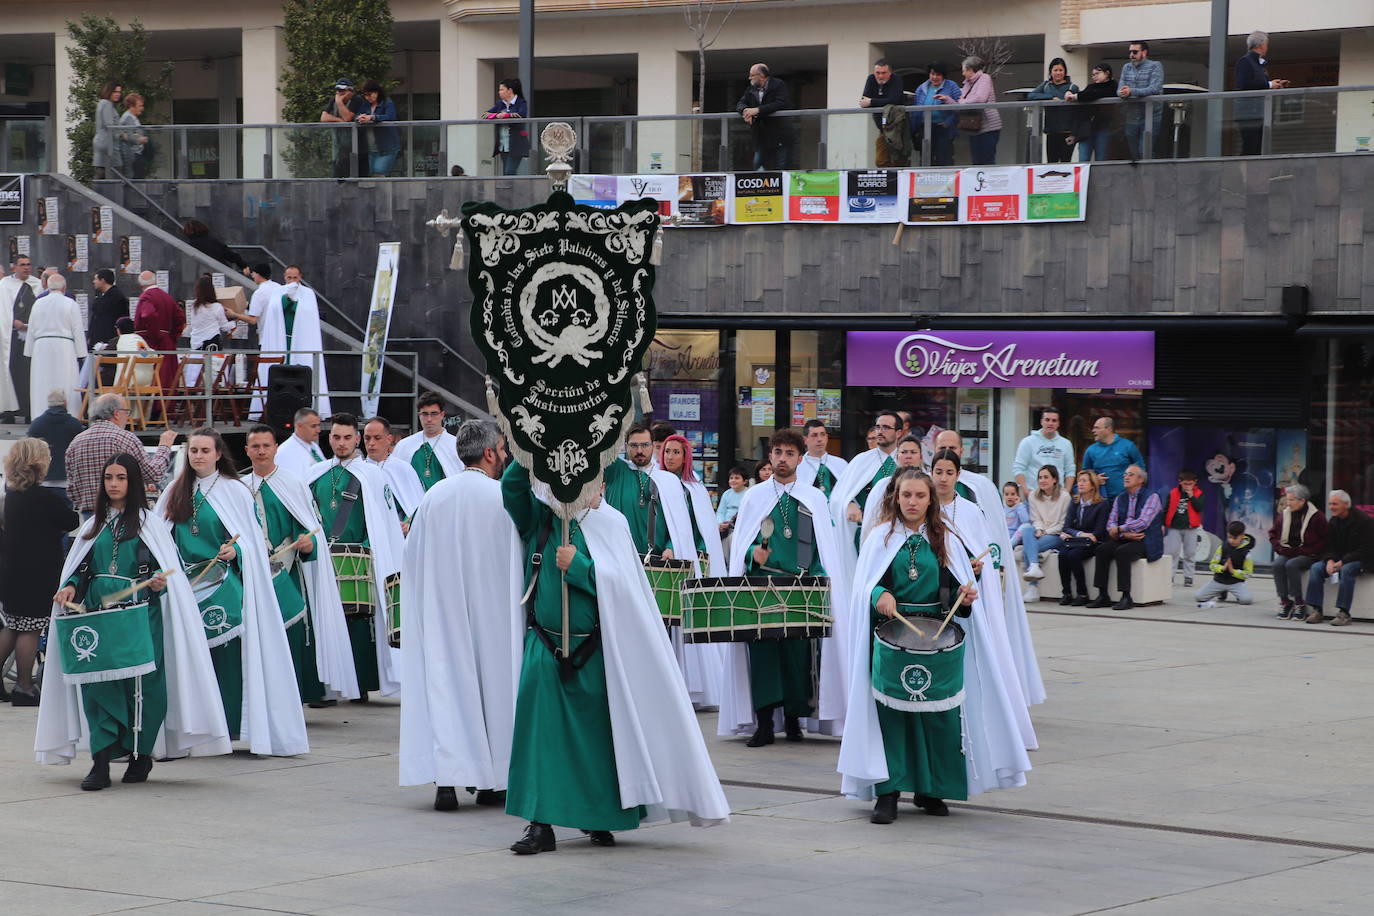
{"x":1355,"y":110}
{"x":63,"y":76}
{"x":264,"y":55}
{"x":1013,"y":407}
{"x":849,"y":137}
{"x":665,"y":87}
{"x":467,"y":86}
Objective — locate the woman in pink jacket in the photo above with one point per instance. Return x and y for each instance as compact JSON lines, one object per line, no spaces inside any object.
{"x":982,"y":143}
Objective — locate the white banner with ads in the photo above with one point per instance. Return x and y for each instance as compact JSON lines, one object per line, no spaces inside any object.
{"x":379,"y":324}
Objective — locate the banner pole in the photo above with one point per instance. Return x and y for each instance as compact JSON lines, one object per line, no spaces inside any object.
{"x":566,"y":542}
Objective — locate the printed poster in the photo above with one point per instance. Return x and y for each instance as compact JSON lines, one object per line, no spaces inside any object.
{"x":83,"y":302}
{"x":594,"y":190}
{"x":102,"y":225}
{"x":131,"y":254}
{"x":684,"y":408}
{"x":803,"y":405}
{"x":992,"y":195}
{"x":828,"y":406}
{"x":871,"y":197}
{"x":813,"y":197}
{"x":761,"y":407}
{"x":932,"y":196}
{"x":700,"y":200}
{"x":757,"y":197}
{"x":11,"y":199}
{"x":79,"y":253}
{"x":660,"y":188}
{"x":47,"y":215}
{"x":1055,"y":191}
{"x":164,"y":280}
{"x":20,"y":245}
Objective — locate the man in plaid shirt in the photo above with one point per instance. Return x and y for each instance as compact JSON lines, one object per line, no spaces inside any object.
{"x":105,"y":437}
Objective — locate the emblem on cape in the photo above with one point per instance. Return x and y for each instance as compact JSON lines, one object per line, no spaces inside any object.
{"x":85,"y":640}
{"x":563,"y":313}
{"x":916,"y":679}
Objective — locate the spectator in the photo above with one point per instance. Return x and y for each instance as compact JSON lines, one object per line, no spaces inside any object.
{"x":58,"y":428}
{"x":763,"y":471}
{"x":1134,"y":530}
{"x":386,"y":141}
{"x":1058,"y":121}
{"x":1092,"y":130}
{"x":1049,"y":506}
{"x":456,"y":172}
{"x":512,"y":143}
{"x":31,"y":554}
{"x":1349,"y":545}
{"x":128,"y":343}
{"x":759,"y":105}
{"x":1183,"y":519}
{"x":159,"y":321}
{"x":881,"y":90}
{"x":985,"y":127}
{"x":1042,"y":447}
{"x":103,"y":439}
{"x":344,"y":108}
{"x":106,"y":118}
{"x":937,"y":90}
{"x":110,"y":304}
{"x":198,"y":236}
{"x":729,"y":500}
{"x":1085,"y":527}
{"x":871,"y":438}
{"x":1299,"y":538}
{"x":1140,"y":79}
{"x":1231,"y":565}
{"x":55,"y":347}
{"x":1109,"y":456}
{"x":131,"y":140}
{"x":207,"y":321}
{"x":1014,"y":511}
{"x":1251,"y":74}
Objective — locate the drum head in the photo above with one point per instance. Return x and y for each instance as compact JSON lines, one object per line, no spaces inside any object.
{"x":657,"y":562}
{"x":212,"y":579}
{"x":895,"y":633}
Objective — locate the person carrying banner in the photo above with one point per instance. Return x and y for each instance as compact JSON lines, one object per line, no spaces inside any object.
{"x":819,"y":468}
{"x":631,"y":490}
{"x":431,"y":452}
{"x":121,"y":546}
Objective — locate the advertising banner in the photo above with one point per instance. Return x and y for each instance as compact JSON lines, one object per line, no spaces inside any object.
{"x":379,"y":323}
{"x":932,"y":195}
{"x":700,"y":201}
{"x":757,"y":197}
{"x":993,"y":195}
{"x":11,"y":199}
{"x":1056,"y":192}
{"x":871,"y":197}
{"x":659,"y":188}
{"x":813,"y":197}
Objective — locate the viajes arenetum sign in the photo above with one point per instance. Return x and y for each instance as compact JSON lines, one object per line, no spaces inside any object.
{"x":1002,"y":359}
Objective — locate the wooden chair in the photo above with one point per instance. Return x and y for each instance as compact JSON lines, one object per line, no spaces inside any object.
{"x":181,"y":393}
{"x":119,"y":384}
{"x":229,"y":403}
{"x":143,"y":397}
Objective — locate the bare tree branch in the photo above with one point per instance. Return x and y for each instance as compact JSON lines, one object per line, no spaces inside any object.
{"x":994,"y":51}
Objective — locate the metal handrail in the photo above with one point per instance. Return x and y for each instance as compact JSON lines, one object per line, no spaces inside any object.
{"x":334,"y":309}
{"x":446,"y":347}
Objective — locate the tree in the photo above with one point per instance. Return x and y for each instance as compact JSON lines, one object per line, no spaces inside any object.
{"x":995,"y":52}
{"x":101,"y":51}
{"x":698,"y":15}
{"x":325,"y":40}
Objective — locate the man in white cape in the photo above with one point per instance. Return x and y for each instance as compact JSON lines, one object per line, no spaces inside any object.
{"x":378,"y":442}
{"x":818,"y":464}
{"x":323,"y":633}
{"x":195,"y":722}
{"x":909,"y":455}
{"x":738,"y":713}
{"x":55,"y":346}
{"x":300,"y":451}
{"x":267,"y":290}
{"x":463,"y":631}
{"x":17,"y":294}
{"x":431,"y":452}
{"x":850,"y":496}
{"x":988,"y":498}
{"x":290,"y":325}
{"x":376,"y":526}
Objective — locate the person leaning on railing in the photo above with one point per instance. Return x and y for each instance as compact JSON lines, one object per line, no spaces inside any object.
{"x":1251,"y":74}
{"x":937,"y":90}
{"x":1092,"y":130}
{"x":1058,"y":123}
{"x":983,"y":127}
{"x":1140,"y":79}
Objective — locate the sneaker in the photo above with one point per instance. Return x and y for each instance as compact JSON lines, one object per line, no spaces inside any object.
{"x":1343,"y":619}
{"x":1206,"y":604}
{"x":1034,"y":572}
{"x":1314,"y":615}
{"x":1187,"y":581}
{"x":1285,"y":612}
{"x":1030,"y":594}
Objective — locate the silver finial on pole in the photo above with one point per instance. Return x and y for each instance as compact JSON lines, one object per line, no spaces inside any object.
{"x":443,"y":222}
{"x":558,"y":140}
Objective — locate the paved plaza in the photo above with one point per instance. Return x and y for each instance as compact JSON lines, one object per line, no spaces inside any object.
{"x":1214,"y":762}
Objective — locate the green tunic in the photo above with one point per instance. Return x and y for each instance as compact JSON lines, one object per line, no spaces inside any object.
{"x":781,"y":671}
{"x":111,"y":706}
{"x":924,"y":750}
{"x":427,"y":466}
{"x":197,"y":547}
{"x":282,"y":526}
{"x":361,"y":635}
{"x":562,"y":768}
{"x":965,"y":492}
{"x":628,"y":490}
{"x":288,"y":318}
{"x":886,"y":469}
{"x":825,"y":480}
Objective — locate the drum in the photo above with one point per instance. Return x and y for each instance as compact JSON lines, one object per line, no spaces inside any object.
{"x":746,"y":608}
{"x":666,"y":578}
{"x":393,"y":610}
{"x":106,"y":645}
{"x":917,"y":673}
{"x":353,"y":570}
{"x":219,"y":594}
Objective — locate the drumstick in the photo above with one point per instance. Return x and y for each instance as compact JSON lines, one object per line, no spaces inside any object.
{"x":123,"y":593}
{"x":287,"y":547}
{"x":74,"y":608}
{"x":957,"y":601}
{"x":208,"y":566}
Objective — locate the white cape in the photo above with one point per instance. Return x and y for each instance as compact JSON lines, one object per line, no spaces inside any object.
{"x":856,"y":476}
{"x":810,"y":467}
{"x":195,"y":721}
{"x":306,"y":339}
{"x":56,"y":344}
{"x":405,"y":486}
{"x":294,"y":455}
{"x":736,"y":705}
{"x":328,"y":629}
{"x":994,"y":755}
{"x":462,"y":636}
{"x":384,"y":536}
{"x":445,"y":447}
{"x":273,"y":723}
{"x":9,"y":290}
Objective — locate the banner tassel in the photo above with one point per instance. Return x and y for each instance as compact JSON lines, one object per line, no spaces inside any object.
{"x":456,"y":261}
{"x":492,"y":407}
{"x":645,"y":404}
{"x":656,"y":254}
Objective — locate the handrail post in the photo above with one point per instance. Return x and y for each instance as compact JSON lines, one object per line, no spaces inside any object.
{"x":927,"y":135}
{"x":822,"y":153}
{"x":1147,"y":134}
{"x":183,"y":169}
{"x":354,"y":165}
{"x":723,"y":147}
{"x":1267,"y":138}
{"x":1035,"y":126}
{"x":268,"y":153}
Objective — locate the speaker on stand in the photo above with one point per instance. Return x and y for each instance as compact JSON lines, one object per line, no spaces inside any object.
{"x":288,"y":390}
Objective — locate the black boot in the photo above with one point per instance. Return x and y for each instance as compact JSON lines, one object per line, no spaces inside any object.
{"x":1066,"y":599}
{"x":764,"y":733}
{"x":885,"y":809}
{"x":99,"y":776}
{"x":538,"y":838}
{"x":600,"y":837}
{"x":491,"y":797}
{"x":1125,"y":604}
{"x":445,"y":798}
{"x":793,"y":726}
{"x":138,"y":769}
{"x":931,"y":805}
{"x":362,"y":698}
{"x":1100,"y":601}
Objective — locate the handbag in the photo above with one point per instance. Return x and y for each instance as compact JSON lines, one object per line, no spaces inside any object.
{"x":971,"y":121}
{"x":1079,"y":542}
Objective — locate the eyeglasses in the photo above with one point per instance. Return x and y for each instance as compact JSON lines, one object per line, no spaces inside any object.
{"x":1133,"y":52}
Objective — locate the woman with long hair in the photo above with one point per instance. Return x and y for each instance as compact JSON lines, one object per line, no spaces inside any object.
{"x":915,"y":566}
{"x":1085,"y":526}
{"x":1048,"y":505}
{"x":213,"y":520}
{"x":386,"y":140}
{"x":103,"y":154}
{"x":116,"y":549}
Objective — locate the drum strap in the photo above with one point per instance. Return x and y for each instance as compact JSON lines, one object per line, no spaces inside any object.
{"x":350,"y":498}
{"x":653,"y":517}
{"x":806,"y":542}
{"x":567,"y":664}
{"x":143,"y":557}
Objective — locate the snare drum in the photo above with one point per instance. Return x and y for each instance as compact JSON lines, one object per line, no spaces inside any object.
{"x":666,"y":578}
{"x":353,"y":570}
{"x":106,"y":645}
{"x":746,"y":608}
{"x":219,"y":594}
{"x":917,"y":673}
{"x":393,"y":610}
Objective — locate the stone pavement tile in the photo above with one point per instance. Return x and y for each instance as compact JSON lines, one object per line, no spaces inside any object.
{"x":28,"y":898}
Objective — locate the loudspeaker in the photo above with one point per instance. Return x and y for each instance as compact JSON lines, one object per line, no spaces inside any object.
{"x":1296,"y":300}
{"x":288,"y":390}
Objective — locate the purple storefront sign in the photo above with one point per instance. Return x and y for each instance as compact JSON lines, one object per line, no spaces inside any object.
{"x":1002,"y":359}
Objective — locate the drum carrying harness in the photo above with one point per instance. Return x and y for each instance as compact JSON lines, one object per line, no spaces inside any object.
{"x":567,"y":664}
{"x":350,"y":496}
{"x":143,"y":557}
{"x":806,"y":540}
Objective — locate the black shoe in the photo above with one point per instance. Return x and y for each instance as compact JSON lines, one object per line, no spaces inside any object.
{"x":763,"y":734}
{"x":138,"y":769}
{"x":794,"y":730}
{"x":22,"y":697}
{"x":885,"y":809}
{"x":491,"y":798}
{"x":99,"y":776}
{"x":361,"y":699}
{"x":322,"y":704}
{"x":1285,"y":612}
{"x":935,"y":807}
{"x":1080,"y":601}
{"x":537,"y":838}
{"x":1100,"y":601}
{"x":600,"y":837}
{"x":445,"y":799}
{"x":1065,"y":599}
{"x":1125,"y":604}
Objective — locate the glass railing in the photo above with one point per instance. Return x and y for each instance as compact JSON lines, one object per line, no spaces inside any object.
{"x":24,"y":145}
{"x":1171,"y":126}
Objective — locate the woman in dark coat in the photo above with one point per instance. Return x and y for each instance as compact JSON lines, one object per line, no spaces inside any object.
{"x":1093,"y":130}
{"x":1085,"y":527}
{"x":31,"y":554}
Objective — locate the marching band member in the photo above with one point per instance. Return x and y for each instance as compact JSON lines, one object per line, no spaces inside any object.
{"x":378,"y":444}
{"x":819,"y":468}
{"x":431,"y":452}
{"x":908,"y":456}
{"x":631,"y":491}
{"x":301,"y":450}
{"x":851,"y":493}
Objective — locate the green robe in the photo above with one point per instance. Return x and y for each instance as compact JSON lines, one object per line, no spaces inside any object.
{"x":288,"y":318}
{"x":281,"y":526}
{"x":110,"y":706}
{"x":781,"y":671}
{"x":886,"y":469}
{"x":924,"y":750}
{"x":227,"y":657}
{"x":562,"y":765}
{"x":361,"y":634}
{"x":427,"y":466}
{"x":825,"y":480}
{"x":628,"y":490}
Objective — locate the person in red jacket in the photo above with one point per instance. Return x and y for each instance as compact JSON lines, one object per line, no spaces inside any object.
{"x":1299,"y":537}
{"x":159,"y":320}
{"x":1183,"y":524}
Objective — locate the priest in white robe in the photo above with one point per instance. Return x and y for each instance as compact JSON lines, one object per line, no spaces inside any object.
{"x":55,"y":346}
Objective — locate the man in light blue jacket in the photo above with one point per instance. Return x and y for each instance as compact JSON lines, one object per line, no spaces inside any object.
{"x":1140,"y":79}
{"x":1042,"y":447}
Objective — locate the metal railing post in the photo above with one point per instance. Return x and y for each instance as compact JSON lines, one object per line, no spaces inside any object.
{"x":822,"y":156}
{"x":1147,"y":134}
{"x":723,"y":148}
{"x":927,"y":135}
{"x":1267,"y":137}
{"x":268,"y":153}
{"x":354,"y":170}
{"x":183,"y":168}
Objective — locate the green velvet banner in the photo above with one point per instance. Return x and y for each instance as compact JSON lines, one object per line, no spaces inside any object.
{"x":563,"y":311}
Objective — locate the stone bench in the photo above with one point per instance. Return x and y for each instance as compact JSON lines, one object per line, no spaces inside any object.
{"x":1151,"y":583}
